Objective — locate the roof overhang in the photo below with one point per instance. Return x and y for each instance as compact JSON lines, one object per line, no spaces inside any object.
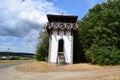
{"x":62,"y":18}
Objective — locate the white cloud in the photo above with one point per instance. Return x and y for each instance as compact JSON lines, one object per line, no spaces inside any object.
{"x":23,"y":19}
{"x":3,"y":48}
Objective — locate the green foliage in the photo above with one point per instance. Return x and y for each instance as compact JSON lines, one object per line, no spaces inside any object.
{"x":42,"y":47}
{"x":78,"y":55}
{"x":103,"y":55}
{"x":100,"y":33}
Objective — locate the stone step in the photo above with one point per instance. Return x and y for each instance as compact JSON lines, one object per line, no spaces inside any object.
{"x":61,"y":59}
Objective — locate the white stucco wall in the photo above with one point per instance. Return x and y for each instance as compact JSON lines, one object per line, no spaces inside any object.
{"x":68,"y":46}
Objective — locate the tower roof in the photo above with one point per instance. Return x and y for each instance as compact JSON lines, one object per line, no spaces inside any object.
{"x":62,"y":18}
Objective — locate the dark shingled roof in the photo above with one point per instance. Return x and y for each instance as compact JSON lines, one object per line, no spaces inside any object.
{"x":62,"y":18}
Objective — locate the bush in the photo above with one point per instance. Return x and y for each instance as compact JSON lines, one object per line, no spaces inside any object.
{"x":103,"y":55}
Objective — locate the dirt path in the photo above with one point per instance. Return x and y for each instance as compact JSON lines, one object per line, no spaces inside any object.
{"x":7,"y":65}
{"x":13,"y":74}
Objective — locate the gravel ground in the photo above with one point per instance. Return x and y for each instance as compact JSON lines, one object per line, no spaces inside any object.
{"x":12,"y":74}
{"x":6,"y":65}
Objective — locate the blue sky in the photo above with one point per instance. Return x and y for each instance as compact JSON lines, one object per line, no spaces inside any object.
{"x":22,"y":20}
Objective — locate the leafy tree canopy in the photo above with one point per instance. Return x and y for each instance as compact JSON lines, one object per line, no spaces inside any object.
{"x":100,"y":33}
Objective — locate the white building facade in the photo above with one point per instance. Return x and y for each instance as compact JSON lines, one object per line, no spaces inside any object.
{"x":61,"y":33}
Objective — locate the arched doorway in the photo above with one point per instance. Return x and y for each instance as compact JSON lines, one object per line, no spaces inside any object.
{"x":61,"y":45}
{"x":61,"y":57}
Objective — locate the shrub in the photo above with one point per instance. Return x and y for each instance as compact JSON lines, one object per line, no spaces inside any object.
{"x":105,"y":55}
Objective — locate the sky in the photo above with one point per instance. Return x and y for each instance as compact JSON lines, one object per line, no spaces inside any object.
{"x":21,"y":21}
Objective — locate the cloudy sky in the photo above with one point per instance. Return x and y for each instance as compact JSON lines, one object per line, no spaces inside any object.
{"x":22,"y":20}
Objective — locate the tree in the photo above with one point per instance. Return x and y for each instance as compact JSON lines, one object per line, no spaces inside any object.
{"x":100,"y":33}
{"x":78,"y":54}
{"x":42,"y":47}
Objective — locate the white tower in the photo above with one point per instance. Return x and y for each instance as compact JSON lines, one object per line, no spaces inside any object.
{"x":61,"y":32}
